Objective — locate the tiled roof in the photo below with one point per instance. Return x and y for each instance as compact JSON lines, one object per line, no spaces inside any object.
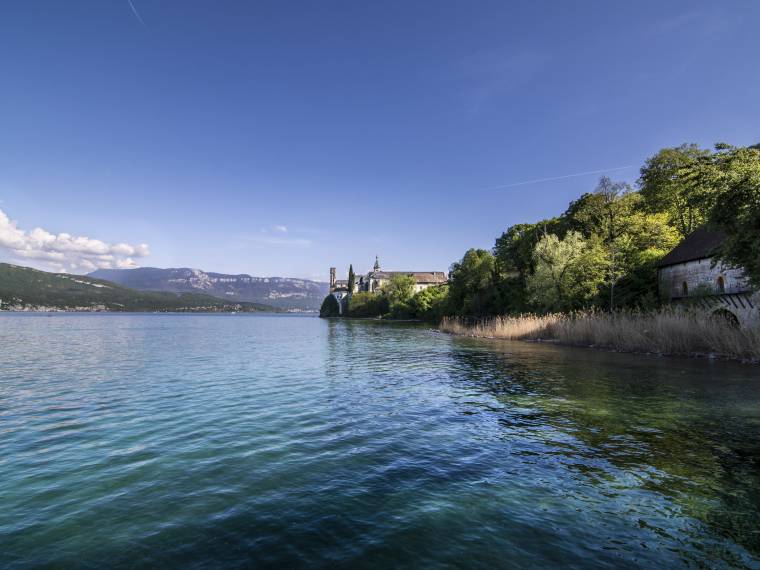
{"x":700,"y":244}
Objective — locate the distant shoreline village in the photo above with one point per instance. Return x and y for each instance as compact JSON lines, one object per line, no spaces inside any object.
{"x":373,"y":281}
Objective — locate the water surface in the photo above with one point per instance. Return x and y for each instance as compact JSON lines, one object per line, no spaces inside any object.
{"x":197,"y":441}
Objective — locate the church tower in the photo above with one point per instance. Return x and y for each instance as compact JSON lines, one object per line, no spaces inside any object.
{"x":332,"y":279}
{"x":377,"y":264}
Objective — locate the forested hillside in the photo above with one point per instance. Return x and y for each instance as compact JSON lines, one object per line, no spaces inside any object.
{"x":23,"y":288}
{"x":283,"y":292}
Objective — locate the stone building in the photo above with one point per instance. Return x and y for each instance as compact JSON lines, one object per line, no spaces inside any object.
{"x":339,"y":290}
{"x":690,"y":274}
{"x":374,"y":280}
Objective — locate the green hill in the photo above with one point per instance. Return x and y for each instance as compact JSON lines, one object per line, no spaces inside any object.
{"x":23,"y":288}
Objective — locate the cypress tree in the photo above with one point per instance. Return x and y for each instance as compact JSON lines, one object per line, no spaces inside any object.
{"x":351,"y":278}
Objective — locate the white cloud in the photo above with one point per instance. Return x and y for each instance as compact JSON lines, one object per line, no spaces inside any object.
{"x":64,"y":252}
{"x":276,"y":229}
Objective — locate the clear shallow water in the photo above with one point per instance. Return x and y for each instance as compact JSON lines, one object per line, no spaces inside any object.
{"x":197,"y":441}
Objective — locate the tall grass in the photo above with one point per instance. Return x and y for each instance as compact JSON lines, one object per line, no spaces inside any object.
{"x":672,"y":332}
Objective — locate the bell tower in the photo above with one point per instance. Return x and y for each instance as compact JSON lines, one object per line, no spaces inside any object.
{"x":332,"y":279}
{"x":377,"y":264}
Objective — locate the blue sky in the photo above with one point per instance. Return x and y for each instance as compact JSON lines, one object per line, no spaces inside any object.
{"x":280,"y":138}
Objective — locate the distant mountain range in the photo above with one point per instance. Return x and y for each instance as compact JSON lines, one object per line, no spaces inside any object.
{"x":282,"y":292}
{"x":26,"y":289}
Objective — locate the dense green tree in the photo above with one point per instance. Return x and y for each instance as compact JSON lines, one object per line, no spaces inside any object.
{"x":472,"y":284}
{"x":670,"y":183}
{"x":581,"y":216}
{"x":514,"y":248}
{"x":351,"y":279}
{"x":736,"y":208}
{"x":633,"y":238}
{"x":513,"y":251}
{"x":329,"y":307}
{"x":402,"y":311}
{"x":509,"y":296}
{"x":568,"y":272}
{"x":430,"y":304}
{"x":399,"y":292}
{"x":648,"y":237}
{"x":607,"y":213}
{"x":399,"y":289}
{"x":367,"y":304}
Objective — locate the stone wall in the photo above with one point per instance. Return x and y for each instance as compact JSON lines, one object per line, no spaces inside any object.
{"x":711,"y":288}
{"x":341,"y":297}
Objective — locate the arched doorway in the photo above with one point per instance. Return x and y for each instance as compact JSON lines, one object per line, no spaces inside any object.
{"x":726,"y":316}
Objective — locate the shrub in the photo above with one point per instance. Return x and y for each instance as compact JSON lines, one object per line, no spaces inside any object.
{"x":430,"y":304}
{"x":367,"y":304}
{"x":330,"y":307}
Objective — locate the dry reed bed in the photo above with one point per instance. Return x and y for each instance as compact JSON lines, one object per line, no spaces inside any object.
{"x":665,"y":332}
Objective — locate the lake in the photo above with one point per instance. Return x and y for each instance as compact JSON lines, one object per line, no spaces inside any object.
{"x":195,"y":441}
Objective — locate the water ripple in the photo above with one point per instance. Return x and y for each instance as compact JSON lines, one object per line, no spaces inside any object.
{"x":207,"y":441}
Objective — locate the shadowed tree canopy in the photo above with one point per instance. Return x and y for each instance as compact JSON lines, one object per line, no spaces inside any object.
{"x":736,"y":209}
{"x":329,"y":307}
{"x":471,"y":283}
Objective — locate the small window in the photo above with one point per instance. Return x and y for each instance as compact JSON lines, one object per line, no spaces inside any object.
{"x":721,"y":285}
{"x":684,"y":289}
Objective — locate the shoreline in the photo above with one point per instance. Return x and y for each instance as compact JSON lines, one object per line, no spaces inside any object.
{"x":375,"y":319}
{"x":666,"y":333}
{"x":601,"y":348}
{"x":141,"y":312}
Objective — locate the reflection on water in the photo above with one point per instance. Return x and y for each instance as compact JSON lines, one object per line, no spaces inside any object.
{"x":687,"y":432}
{"x":189,"y":441}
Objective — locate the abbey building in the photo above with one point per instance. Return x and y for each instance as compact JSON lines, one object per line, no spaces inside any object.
{"x":374,"y":280}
